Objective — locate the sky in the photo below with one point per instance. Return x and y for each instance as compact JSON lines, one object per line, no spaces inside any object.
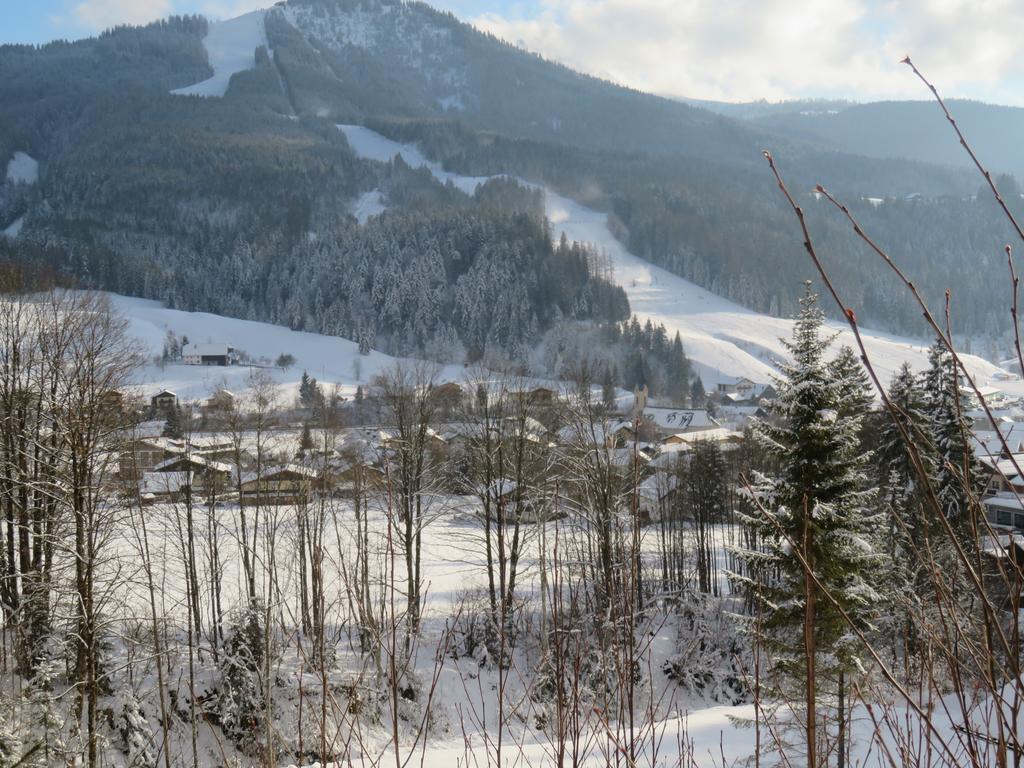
{"x":728,"y":50}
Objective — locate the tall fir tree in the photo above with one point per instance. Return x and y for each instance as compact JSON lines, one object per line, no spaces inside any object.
{"x":901,"y":496}
{"x":817,"y":504}
{"x":956,"y":469}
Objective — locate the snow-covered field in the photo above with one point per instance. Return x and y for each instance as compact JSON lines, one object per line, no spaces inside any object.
{"x":725,"y":340}
{"x":231,"y":47}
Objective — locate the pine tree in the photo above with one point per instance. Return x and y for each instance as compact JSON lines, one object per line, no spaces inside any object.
{"x":305,"y":439}
{"x":172,"y":423}
{"x":956,"y":469}
{"x":817,"y":505}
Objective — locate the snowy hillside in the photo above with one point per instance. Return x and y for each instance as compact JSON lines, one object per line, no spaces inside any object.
{"x":329,"y":359}
{"x":723,"y":339}
{"x":231,"y":47}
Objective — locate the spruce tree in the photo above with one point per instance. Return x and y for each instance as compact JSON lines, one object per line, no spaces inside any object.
{"x":956,"y":469}
{"x":818,"y":505}
{"x":901,"y":497}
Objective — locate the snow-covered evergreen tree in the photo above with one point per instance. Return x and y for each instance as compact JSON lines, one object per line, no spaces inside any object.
{"x":901,"y":492}
{"x":955,"y":467}
{"x":819,"y":505}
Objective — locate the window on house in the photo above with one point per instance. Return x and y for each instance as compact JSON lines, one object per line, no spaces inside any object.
{"x":1003,"y":517}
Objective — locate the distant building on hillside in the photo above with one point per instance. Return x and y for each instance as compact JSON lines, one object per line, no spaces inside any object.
{"x":209,"y":354}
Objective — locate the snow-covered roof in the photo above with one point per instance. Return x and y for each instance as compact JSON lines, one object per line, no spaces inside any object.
{"x":657,"y":486}
{"x":501,"y":486}
{"x":201,"y":461}
{"x":1008,"y":501}
{"x":164,"y":482}
{"x":987,"y":443}
{"x":681,"y":419}
{"x":210,"y":349}
{"x":716,"y":435}
{"x":269,"y":473}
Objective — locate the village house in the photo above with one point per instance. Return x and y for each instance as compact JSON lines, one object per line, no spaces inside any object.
{"x":209,"y":477}
{"x":1004,"y":510}
{"x":164,"y":400}
{"x":283,"y":484}
{"x":1003,"y":474}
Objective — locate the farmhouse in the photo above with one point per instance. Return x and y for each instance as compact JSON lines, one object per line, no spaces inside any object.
{"x":209,"y":354}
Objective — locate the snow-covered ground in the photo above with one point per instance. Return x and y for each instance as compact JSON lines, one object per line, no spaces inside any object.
{"x":723,"y":339}
{"x":14,"y":228}
{"x":331,"y":360}
{"x":231,"y":47}
{"x":368,"y":204}
{"x":23,"y":168}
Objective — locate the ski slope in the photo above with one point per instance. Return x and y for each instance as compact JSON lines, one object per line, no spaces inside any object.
{"x":23,"y":169}
{"x":330,"y":359}
{"x":724,"y":340}
{"x":231,"y":47}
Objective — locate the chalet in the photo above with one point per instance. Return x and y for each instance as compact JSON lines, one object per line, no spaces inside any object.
{"x":284,"y":484}
{"x":209,"y":354}
{"x":346,"y":477}
{"x":742,"y":386}
{"x":142,"y":454}
{"x":164,"y":400}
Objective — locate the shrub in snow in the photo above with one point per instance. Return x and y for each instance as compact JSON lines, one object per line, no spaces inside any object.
{"x":475,"y":634}
{"x":239,"y":699}
{"x":710,"y":656}
{"x":47,"y":721}
{"x":136,"y":738}
{"x":10,"y":736}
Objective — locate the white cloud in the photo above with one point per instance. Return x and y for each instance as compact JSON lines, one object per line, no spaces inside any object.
{"x":97,"y":15}
{"x":739,"y":50}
